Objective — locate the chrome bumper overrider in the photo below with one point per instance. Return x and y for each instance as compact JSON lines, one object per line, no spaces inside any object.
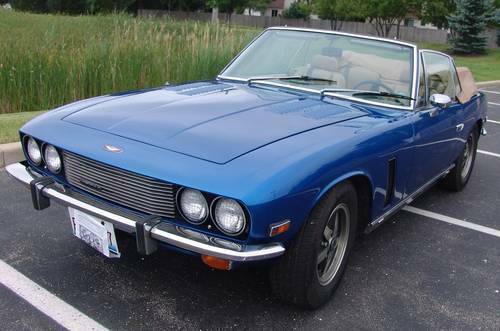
{"x":148,"y":231}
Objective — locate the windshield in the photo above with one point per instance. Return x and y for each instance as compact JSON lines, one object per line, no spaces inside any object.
{"x":323,"y":61}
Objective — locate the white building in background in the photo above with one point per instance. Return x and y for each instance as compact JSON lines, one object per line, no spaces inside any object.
{"x":273,"y":9}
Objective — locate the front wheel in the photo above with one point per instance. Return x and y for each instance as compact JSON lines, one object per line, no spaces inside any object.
{"x":309,"y":272}
{"x":460,"y":174}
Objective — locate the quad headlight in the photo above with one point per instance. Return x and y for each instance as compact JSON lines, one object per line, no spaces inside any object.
{"x":52,"y":159}
{"x":193,"y":206}
{"x":33,"y":151}
{"x":229,"y":216}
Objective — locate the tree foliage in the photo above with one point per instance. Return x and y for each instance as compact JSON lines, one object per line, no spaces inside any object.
{"x":72,"y":6}
{"x":36,"y":6}
{"x":384,"y":14}
{"x":336,"y":11}
{"x":182,"y":5}
{"x":436,"y":12}
{"x":298,"y":9}
{"x":468,"y":25}
{"x":227,"y":6}
{"x":259,"y":5}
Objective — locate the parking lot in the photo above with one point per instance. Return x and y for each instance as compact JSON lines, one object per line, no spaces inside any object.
{"x":435,"y":265}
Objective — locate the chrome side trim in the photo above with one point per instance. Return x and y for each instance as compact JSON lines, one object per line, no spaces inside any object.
{"x":164,"y":232}
{"x":409,"y":199}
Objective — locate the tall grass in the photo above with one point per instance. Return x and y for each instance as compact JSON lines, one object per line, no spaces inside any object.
{"x":49,"y":60}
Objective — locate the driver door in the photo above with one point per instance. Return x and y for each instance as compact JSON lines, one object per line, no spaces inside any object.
{"x":436,"y":126}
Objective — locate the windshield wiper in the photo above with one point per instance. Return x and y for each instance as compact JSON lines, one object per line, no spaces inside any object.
{"x":384,"y":94}
{"x":303,"y":77}
{"x":253,"y":79}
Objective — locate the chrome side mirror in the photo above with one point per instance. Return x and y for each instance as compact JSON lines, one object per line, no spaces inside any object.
{"x":440,"y":100}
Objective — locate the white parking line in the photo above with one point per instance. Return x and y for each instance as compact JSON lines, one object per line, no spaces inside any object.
{"x":451,"y":220}
{"x":491,"y":121}
{"x":494,"y":103}
{"x":493,"y":92}
{"x":488,"y":153}
{"x":65,"y":315}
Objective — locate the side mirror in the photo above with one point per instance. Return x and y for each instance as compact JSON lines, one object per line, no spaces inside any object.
{"x":440,"y":100}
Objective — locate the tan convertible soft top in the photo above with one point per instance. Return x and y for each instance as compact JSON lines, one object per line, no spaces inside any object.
{"x":469,"y":88}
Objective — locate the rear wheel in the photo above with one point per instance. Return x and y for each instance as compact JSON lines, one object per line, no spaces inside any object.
{"x":309,"y":272}
{"x":460,"y":174}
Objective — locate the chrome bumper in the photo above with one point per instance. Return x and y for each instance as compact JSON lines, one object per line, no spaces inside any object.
{"x":147,"y":233}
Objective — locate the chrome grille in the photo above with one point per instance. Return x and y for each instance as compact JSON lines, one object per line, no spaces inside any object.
{"x":122,"y":187}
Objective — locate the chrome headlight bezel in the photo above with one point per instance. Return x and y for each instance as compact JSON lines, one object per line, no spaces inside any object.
{"x":48,"y":163}
{"x":179,"y":196}
{"x":213,"y":213}
{"x":26,"y":143}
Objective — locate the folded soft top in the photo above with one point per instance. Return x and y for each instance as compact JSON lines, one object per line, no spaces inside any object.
{"x":469,"y":88}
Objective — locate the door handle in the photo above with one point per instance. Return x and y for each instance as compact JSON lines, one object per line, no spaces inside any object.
{"x":460,"y":127}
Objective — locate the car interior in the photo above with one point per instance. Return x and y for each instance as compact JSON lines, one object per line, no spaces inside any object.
{"x":348,"y":70}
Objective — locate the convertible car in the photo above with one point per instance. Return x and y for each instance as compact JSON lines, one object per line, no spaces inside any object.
{"x":304,"y":140}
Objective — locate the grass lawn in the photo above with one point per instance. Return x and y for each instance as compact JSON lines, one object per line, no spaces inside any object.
{"x":10,"y":124}
{"x":484,"y":67}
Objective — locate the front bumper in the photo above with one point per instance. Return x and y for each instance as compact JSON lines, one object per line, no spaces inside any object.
{"x":148,"y":231}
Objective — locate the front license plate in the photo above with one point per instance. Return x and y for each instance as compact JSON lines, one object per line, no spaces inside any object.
{"x":97,"y":233}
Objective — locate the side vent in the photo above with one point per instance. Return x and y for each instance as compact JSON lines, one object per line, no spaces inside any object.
{"x":391,"y":181}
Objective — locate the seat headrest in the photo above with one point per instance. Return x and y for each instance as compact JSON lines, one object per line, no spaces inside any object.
{"x":325,"y":63}
{"x":332,"y":51}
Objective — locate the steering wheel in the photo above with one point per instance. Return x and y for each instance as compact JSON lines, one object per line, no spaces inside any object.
{"x":375,"y":84}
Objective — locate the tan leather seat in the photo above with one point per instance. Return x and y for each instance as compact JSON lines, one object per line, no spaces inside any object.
{"x":357,"y":75}
{"x":326,"y":67}
{"x":393,"y":73}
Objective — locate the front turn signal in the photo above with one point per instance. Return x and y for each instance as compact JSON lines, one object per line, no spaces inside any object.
{"x":216,"y":263}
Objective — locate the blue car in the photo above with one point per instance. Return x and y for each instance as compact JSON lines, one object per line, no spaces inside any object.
{"x":306,"y":139}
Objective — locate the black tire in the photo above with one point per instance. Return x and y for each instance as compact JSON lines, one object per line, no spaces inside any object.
{"x":459,"y":176}
{"x":295,"y":278}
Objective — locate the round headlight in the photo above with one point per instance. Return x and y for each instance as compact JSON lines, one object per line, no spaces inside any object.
{"x":33,"y":151}
{"x":194,"y":207}
{"x":229,"y":216}
{"x":52,"y":159}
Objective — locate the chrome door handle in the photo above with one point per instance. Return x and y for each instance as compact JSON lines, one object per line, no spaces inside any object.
{"x":460,"y":127}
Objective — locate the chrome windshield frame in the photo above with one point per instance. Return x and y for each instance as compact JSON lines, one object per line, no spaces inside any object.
{"x":414,"y":80}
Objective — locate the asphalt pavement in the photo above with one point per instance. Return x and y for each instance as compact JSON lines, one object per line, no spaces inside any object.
{"x":413,"y":272}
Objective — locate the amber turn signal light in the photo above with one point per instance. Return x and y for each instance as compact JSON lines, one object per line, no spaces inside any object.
{"x":216,"y":262}
{"x":279,"y":228}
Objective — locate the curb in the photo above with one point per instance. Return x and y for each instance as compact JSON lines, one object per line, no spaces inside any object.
{"x":491,"y":82}
{"x":10,"y":153}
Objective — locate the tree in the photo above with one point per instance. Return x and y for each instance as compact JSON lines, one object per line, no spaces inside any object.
{"x":436,"y":12}
{"x":228,"y":6}
{"x":384,"y":14}
{"x":258,"y":5}
{"x":67,"y":6}
{"x":298,"y":9}
{"x":182,"y":5}
{"x":37,"y":6}
{"x":468,"y":25}
{"x":336,"y":11}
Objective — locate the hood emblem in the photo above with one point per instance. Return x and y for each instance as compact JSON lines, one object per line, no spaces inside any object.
{"x":113,"y":149}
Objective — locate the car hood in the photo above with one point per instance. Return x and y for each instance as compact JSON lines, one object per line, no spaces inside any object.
{"x":213,"y":121}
